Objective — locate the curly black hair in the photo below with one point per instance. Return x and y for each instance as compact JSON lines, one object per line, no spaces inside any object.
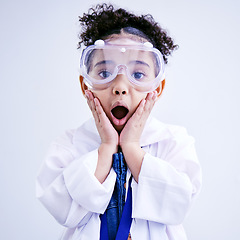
{"x":104,"y":20}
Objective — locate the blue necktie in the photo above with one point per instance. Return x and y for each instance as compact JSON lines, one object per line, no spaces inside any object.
{"x":116,"y":221}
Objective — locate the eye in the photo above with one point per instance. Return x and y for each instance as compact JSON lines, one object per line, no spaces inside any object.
{"x":138,"y":75}
{"x":104,"y":74}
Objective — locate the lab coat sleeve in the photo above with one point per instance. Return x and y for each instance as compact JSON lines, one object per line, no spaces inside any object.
{"x":67,"y":187}
{"x":167,"y":184}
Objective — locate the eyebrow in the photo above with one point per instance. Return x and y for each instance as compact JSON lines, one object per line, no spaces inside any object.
{"x":103,"y":62}
{"x":139,"y":62}
{"x":112,"y":62}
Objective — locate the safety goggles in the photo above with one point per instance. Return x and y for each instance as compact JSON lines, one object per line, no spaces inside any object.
{"x":102,"y":62}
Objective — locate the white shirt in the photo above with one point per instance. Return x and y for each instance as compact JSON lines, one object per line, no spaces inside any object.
{"x":169,"y":179}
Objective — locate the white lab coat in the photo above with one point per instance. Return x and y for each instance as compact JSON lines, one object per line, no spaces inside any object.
{"x":169,"y":179}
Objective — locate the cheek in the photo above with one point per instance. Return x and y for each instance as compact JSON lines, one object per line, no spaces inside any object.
{"x":136,"y":101}
{"x":101,"y":95}
{"x":140,"y":96}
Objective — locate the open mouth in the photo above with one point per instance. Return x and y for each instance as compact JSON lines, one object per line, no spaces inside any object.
{"x":119,"y":112}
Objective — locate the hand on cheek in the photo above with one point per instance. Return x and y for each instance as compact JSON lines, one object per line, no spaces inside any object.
{"x":132,"y":131}
{"x":131,"y":134}
{"x":107,"y":132}
{"x":109,"y":137}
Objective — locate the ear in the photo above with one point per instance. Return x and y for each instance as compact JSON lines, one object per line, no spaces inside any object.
{"x":83,"y":85}
{"x":160,"y":88}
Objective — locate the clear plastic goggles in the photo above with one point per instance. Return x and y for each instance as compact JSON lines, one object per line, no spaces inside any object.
{"x":140,"y":62}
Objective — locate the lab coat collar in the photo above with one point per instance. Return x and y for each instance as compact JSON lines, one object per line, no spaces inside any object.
{"x":154,"y":131}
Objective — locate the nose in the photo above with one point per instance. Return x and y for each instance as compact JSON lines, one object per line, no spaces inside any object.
{"x":120,"y":85}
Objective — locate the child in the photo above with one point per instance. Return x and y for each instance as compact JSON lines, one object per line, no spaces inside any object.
{"x":122,"y":174}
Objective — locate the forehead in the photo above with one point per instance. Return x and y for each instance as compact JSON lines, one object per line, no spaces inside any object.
{"x":125,"y":38}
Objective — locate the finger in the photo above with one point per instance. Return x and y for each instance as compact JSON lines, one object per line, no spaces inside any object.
{"x":148,"y":105}
{"x":150,"y":101}
{"x":89,"y":96}
{"x":99,"y":110}
{"x":103,"y":119}
{"x":92,"y":105}
{"x":152,"y":96}
{"x":136,"y":118}
{"x":139,"y":111}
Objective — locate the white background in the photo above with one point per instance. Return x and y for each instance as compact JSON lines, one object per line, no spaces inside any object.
{"x":41,"y":98}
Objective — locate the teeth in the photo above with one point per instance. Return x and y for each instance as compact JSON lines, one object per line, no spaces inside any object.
{"x":119,"y":112}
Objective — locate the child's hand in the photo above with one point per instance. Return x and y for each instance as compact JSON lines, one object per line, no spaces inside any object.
{"x":109,"y":138}
{"x":107,"y":132}
{"x":132,"y":131}
{"x":131,"y":134}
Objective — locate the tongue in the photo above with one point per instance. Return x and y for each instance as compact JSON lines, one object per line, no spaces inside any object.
{"x":119,"y":112}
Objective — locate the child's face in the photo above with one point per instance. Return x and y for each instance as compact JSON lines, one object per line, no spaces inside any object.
{"x":120,"y":99}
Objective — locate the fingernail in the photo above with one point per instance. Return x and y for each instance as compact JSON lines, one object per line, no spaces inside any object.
{"x":95,"y":101}
{"x":87,"y":93}
{"x":151,"y":94}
